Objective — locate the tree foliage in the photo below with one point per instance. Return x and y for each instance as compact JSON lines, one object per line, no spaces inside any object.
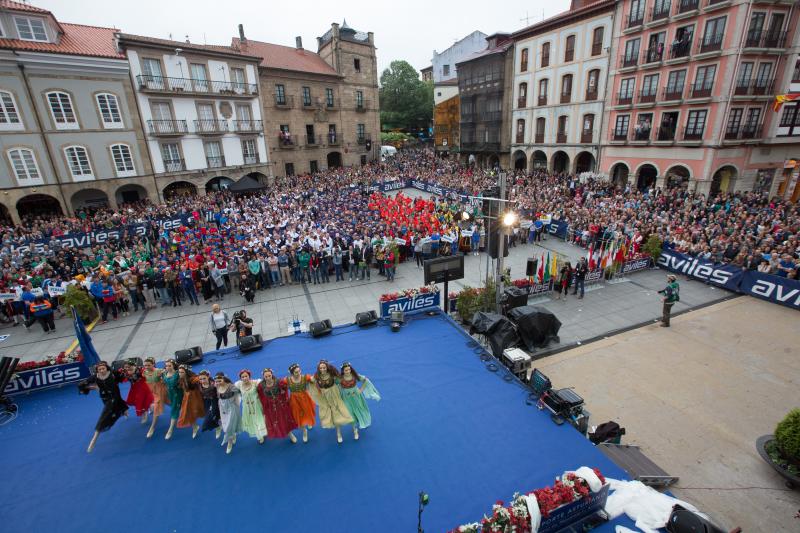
{"x":405,"y":100}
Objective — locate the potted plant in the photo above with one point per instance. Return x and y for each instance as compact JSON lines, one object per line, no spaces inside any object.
{"x":81,"y":301}
{"x":652,"y":247}
{"x":782,"y":450}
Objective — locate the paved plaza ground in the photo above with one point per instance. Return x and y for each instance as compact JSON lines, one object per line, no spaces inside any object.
{"x":696,"y":397}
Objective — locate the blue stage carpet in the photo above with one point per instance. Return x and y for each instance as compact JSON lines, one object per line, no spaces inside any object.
{"x":445,"y":425}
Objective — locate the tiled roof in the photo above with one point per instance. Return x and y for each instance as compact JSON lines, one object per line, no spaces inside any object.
{"x":184,"y":45}
{"x":18,"y":6}
{"x":77,"y":39}
{"x":285,"y":57}
{"x":564,"y":18}
{"x":488,"y":51}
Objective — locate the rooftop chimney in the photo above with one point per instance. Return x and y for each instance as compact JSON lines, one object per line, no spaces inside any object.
{"x":242,"y":38}
{"x":577,"y":4}
{"x":298,"y":41}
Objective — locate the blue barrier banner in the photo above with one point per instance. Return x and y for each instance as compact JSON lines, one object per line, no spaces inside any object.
{"x":418,"y":303}
{"x":775,"y":289}
{"x":558,"y":228}
{"x":46,"y":377}
{"x":722,"y":275}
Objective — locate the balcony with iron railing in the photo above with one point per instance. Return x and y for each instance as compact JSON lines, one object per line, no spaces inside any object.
{"x":251,"y":159}
{"x":586,"y":136}
{"x":672,"y":93}
{"x":686,"y":6}
{"x":641,"y":133}
{"x":163,"y":84}
{"x":248,"y":126}
{"x":490,"y":116}
{"x":569,"y":55}
{"x":210,"y":127}
{"x":519,"y":138}
{"x":287,"y":142}
{"x":284,"y":102}
{"x":666,"y":133}
{"x":634,"y":19}
{"x":334,"y":139}
{"x":522,"y":101}
{"x":681,"y":49}
{"x":647,"y":96}
{"x":652,"y":55}
{"x":539,"y":138}
{"x":545,"y":61}
{"x":314,"y":140}
{"x":625,"y":98}
{"x":174,"y":165}
{"x":597,"y":49}
{"x":362,"y":139}
{"x":660,"y":12}
{"x":716,"y":3}
{"x":765,"y":39}
{"x":619,"y":134}
{"x":692,"y":134}
{"x":362,"y":106}
{"x":710,"y":43}
{"x":168,"y":127}
{"x":566,"y":97}
{"x":561,"y":137}
{"x":754,"y":87}
{"x":215,"y":161}
{"x":702,"y":89}
{"x":591,"y":94}
{"x":628,"y":60}
{"x":542,"y":100}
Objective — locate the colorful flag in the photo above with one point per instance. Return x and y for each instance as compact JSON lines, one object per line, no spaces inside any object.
{"x":554,"y":266}
{"x":781,"y":98}
{"x":546,"y":276}
{"x":590,"y":257}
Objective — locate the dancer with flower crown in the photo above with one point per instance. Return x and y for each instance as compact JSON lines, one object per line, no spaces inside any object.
{"x":140,"y":397}
{"x":253,"y":422}
{"x":332,"y":411}
{"x":300,"y":402}
{"x":192,"y":407}
{"x":106,"y":383}
{"x":154,"y":378}
{"x":230,"y":414}
{"x":174,"y":394}
{"x":210,"y":403}
{"x":274,"y":396}
{"x":355,"y":390}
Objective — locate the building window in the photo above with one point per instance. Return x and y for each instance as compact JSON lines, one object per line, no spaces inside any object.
{"x":753,"y":117}
{"x":520,"y":131}
{"x":796,"y":73}
{"x":523,"y":60}
{"x":363,"y":160}
{"x":249,"y":151}
{"x":23,"y":161}
{"x":280,"y":95}
{"x":790,"y":117}
{"x":675,"y":83}
{"x":62,"y":111}
{"x":631,"y":57}
{"x":78,"y":162}
{"x":734,"y":121}
{"x":715,"y":32}
{"x":446,"y":70}
{"x":289,"y":169}
{"x":695,"y":124}
{"x":306,"y":96}
{"x":329,"y":97}
{"x":8,"y":109}
{"x":171,"y":155}
{"x":109,"y":110}
{"x":566,"y":88}
{"x":522,"y":98}
{"x":597,"y":41}
{"x":626,"y":88}
{"x":313,"y":166}
{"x":359,"y":99}
{"x":621,"y":127}
{"x":540,"y":124}
{"x":214,"y":157}
{"x":357,"y":64}
{"x":588,"y":128}
{"x":545,"y":55}
{"x":123,"y":161}
{"x":543,"y":91}
{"x":649,"y":88}
{"x":361,"y":133}
{"x":30,"y":29}
{"x":704,"y":81}
{"x":569,"y":49}
{"x":238,"y":80}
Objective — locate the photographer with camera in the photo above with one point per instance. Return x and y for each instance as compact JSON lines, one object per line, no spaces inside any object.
{"x":242,"y":325}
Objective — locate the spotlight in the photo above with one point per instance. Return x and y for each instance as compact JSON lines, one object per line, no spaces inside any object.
{"x":464,"y":216}
{"x":509,"y":219}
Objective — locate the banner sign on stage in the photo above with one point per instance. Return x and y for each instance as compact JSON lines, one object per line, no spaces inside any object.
{"x":722,"y":275}
{"x":558,"y":228}
{"x":420,"y":302}
{"x":775,"y":289}
{"x":593,"y":275}
{"x":46,"y":377}
{"x":636,"y":265}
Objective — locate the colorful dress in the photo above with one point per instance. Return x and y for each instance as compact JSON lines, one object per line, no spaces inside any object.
{"x":159,"y":390}
{"x":300,"y":402}
{"x":277,"y":413}
{"x":113,"y":404}
{"x":230,"y":414}
{"x":140,"y":396}
{"x":332,"y":411}
{"x":192,"y":406}
{"x":211,"y":407}
{"x":252,"y":415}
{"x":355,"y":400}
{"x":174,"y":395}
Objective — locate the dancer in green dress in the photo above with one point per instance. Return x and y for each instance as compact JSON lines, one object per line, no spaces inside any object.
{"x":332,"y":411}
{"x":174,"y":393}
{"x":253,"y":422}
{"x":355,"y":390}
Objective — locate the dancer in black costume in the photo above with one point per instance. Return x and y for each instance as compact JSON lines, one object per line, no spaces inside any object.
{"x":106,"y":383}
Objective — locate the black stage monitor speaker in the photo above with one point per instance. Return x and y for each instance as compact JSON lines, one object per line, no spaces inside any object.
{"x":495,"y":242}
{"x":250,"y":343}
{"x":189,"y":356}
{"x":367,"y":318}
{"x":531,"y":267}
{"x":318,"y":329}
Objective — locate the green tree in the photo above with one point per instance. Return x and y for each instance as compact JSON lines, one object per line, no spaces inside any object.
{"x":405,"y":100}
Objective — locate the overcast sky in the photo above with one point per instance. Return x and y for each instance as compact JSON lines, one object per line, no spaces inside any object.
{"x":408,"y":30}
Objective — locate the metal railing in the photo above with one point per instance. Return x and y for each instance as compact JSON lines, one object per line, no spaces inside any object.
{"x":215,"y":161}
{"x":210,"y":126}
{"x":586,"y":136}
{"x":702,"y":90}
{"x":251,"y":159}
{"x":627,"y":61}
{"x":625,"y":98}
{"x":542,"y":100}
{"x":672,"y":93}
{"x":640,"y":134}
{"x":286,"y":142}
{"x":634,"y":19}
{"x":245,"y":126}
{"x":680,"y":49}
{"x":653,"y":55}
{"x":545,"y":61}
{"x":620,"y":134}
{"x":566,"y":98}
{"x":561,"y":137}
{"x":754,"y":87}
{"x":539,"y":138}
{"x":522,"y":101}
{"x":168,"y":127}
{"x":174,"y":165}
{"x":333,"y":139}
{"x":591,"y":95}
{"x":597,"y":49}
{"x":362,"y":106}
{"x":647,"y":97}
{"x":710,"y":43}
{"x":520,"y":138}
{"x":744,"y":132}
{"x":148,"y":82}
{"x":666,"y":133}
{"x":285,"y":102}
{"x":314,"y":140}
{"x":692,"y":134}
{"x":765,"y":39}
{"x":685,"y":6}
{"x":660,"y":12}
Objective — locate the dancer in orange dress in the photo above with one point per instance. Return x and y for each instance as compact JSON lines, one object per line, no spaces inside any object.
{"x":192,"y":406}
{"x":300,"y":402}
{"x":155,"y":381}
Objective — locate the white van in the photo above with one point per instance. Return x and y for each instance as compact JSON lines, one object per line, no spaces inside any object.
{"x":387,"y":151}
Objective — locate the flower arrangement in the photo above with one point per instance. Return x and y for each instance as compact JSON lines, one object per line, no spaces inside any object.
{"x":409,"y":293}
{"x":60,"y":359}
{"x":516,"y":517}
{"x":522,"y":283}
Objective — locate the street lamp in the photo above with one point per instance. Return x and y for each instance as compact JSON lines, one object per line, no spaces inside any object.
{"x":509,"y":219}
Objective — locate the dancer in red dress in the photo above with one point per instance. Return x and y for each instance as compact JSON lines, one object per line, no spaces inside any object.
{"x":140,"y":397}
{"x":274,"y":396}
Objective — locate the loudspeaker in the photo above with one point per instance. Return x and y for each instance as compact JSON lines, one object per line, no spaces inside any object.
{"x":318,"y":329}
{"x":491,"y":208}
{"x":119,"y":364}
{"x":494,"y":240}
{"x":531,"y":267}
{"x":250,"y":343}
{"x":189,"y":356}
{"x":367,"y":318}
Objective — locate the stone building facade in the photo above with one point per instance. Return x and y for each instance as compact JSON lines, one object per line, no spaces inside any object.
{"x":320,"y":109}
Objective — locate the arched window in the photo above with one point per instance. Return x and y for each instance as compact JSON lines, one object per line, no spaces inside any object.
{"x":587,"y":133}
{"x":62,"y":111}
{"x":543,"y":91}
{"x":78,"y":162}
{"x":569,"y":49}
{"x":8,"y":110}
{"x":523,"y":61}
{"x":108,"y":105}
{"x":23,"y":161}
{"x":520,"y":131}
{"x":123,"y":160}
{"x":592,"y":79}
{"x":522,"y":100}
{"x":566,"y":89}
{"x":545,"y":55}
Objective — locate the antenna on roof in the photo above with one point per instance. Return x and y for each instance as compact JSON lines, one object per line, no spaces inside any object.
{"x":526,"y":19}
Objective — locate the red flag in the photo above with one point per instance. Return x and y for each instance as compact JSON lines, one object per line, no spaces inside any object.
{"x":541,"y":269}
{"x":591,"y":256}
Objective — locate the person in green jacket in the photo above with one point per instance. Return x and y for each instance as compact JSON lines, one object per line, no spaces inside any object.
{"x":303,"y":258}
{"x":671,"y":294}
